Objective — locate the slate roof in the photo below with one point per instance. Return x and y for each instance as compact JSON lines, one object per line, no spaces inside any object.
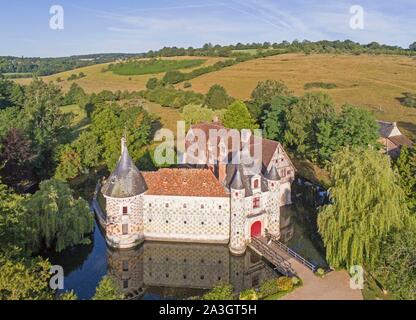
{"x":385,"y":128}
{"x":244,"y":179}
{"x":126,"y":181}
{"x":272,"y":174}
{"x":268,"y":146}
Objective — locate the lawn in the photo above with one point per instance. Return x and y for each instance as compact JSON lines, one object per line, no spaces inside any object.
{"x":140,"y":67}
{"x":373,"y":82}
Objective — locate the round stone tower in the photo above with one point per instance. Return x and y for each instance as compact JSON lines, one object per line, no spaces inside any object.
{"x":273,"y":203}
{"x":237,"y":237}
{"x":123,"y":192}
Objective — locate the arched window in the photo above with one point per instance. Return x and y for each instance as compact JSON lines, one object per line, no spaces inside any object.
{"x":256,"y":184}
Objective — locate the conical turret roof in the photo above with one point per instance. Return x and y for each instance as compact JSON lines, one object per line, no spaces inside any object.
{"x":273,"y":173}
{"x":237,"y":180}
{"x":126,"y":180}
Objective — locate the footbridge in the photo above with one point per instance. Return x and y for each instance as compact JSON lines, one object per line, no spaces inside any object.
{"x":284,"y":259}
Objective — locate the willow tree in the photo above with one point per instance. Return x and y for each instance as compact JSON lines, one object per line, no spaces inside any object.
{"x":56,"y":219}
{"x":366,"y":205}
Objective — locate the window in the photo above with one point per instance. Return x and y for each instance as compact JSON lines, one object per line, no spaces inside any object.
{"x":202,"y":206}
{"x":125,"y":210}
{"x":167,"y":205}
{"x":125,"y":265}
{"x":256,"y":203}
{"x":184,"y":205}
{"x":220,"y":207}
{"x":125,"y":284}
{"x":256,"y":184}
{"x":125,"y":229}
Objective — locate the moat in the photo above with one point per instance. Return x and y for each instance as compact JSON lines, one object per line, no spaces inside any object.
{"x":159,"y":270}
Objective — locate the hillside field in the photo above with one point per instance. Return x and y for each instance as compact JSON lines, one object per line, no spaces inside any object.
{"x":96,"y":80}
{"x":373,"y":82}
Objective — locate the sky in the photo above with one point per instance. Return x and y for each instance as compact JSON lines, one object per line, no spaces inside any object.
{"x":134,"y":26}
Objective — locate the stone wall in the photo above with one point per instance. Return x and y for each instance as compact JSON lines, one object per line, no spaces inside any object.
{"x":116,"y":219}
{"x":186,"y":219}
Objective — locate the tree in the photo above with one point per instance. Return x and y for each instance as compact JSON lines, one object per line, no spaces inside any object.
{"x":406,"y":167}
{"x":47,"y":125}
{"x":75,"y":95}
{"x":69,"y":164}
{"x":12,"y":215}
{"x":217,"y":98}
{"x":15,"y":158}
{"x":193,"y":114}
{"x":110,"y":122}
{"x":238,"y":117}
{"x":366,"y":204}
{"x":152,"y":83}
{"x":68,"y":296}
{"x":265,"y":91}
{"x":396,"y":267}
{"x":108,"y":289}
{"x":302,"y":122}
{"x":173,"y":77}
{"x":221,"y":291}
{"x":354,"y":127}
{"x":24,"y":279}
{"x":413,"y":46}
{"x":274,"y":118}
{"x":57,"y":220}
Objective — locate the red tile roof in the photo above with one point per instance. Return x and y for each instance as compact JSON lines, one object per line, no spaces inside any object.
{"x":184,"y":182}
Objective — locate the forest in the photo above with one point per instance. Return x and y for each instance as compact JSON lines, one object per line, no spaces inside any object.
{"x":11,"y":67}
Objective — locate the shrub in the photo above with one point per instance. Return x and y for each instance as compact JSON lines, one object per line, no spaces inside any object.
{"x":152,"y":83}
{"x":408,"y":100}
{"x":249,"y":294}
{"x":268,"y":288}
{"x":173,"y":77}
{"x":295,"y":281}
{"x":320,"y":272}
{"x":284,"y":284}
{"x":322,"y":85}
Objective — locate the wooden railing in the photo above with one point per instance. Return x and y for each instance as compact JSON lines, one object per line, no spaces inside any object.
{"x":292,"y":253}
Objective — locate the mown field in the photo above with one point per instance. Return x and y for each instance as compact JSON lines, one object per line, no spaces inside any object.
{"x":373,"y":82}
{"x":96,"y":80}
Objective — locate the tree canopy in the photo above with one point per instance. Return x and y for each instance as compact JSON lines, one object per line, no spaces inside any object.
{"x":238,"y":117}
{"x":366,"y":204}
{"x":57,"y":220}
{"x":217,"y":98}
{"x":406,"y":167}
{"x":108,"y":289}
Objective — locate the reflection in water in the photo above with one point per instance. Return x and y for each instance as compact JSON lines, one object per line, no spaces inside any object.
{"x":168,"y":270}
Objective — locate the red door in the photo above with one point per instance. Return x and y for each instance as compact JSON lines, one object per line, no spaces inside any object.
{"x":256,"y":229}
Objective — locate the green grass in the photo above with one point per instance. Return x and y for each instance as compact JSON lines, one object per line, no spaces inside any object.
{"x":79,"y":122}
{"x":373,"y":292}
{"x":153,"y":66}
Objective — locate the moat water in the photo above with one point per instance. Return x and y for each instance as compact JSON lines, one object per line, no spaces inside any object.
{"x":156,"y":271}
